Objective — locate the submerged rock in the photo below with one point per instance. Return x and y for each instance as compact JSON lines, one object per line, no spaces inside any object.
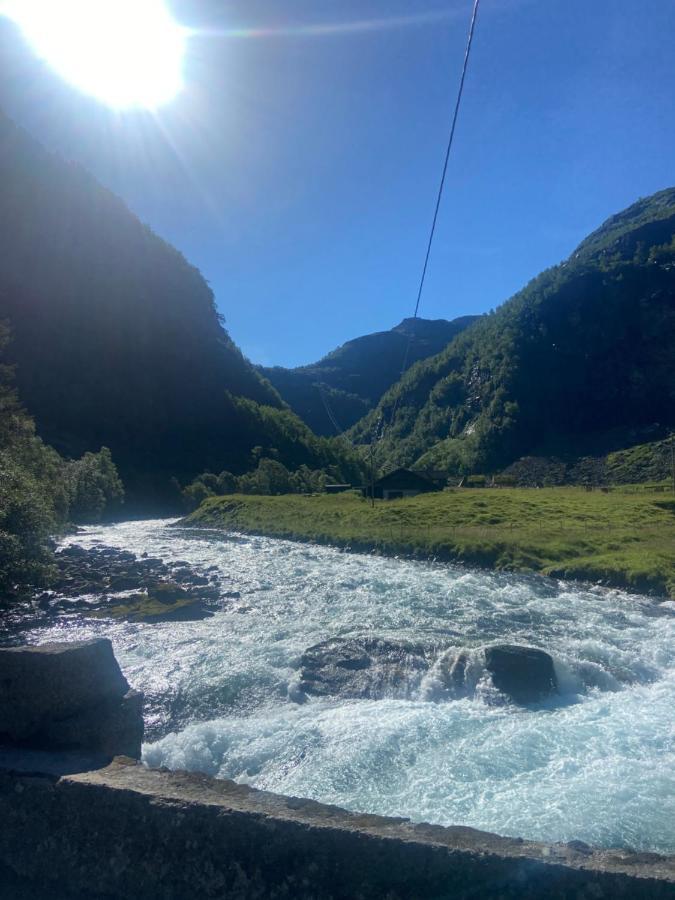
{"x":180,"y":611}
{"x":521,"y":674}
{"x":453,"y":670}
{"x":143,"y":608}
{"x":363,"y":667}
{"x":68,"y":696}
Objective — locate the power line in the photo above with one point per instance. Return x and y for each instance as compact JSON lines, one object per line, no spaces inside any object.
{"x":453,"y":127}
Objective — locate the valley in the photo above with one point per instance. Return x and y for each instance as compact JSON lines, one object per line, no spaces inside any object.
{"x":337,"y":450}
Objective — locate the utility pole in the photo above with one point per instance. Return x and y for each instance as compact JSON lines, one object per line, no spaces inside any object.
{"x":372,"y":475}
{"x":672,"y":457}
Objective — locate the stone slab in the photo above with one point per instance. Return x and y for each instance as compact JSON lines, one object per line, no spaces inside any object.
{"x":129,"y":831}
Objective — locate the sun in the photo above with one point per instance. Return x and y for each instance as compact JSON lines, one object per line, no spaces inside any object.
{"x":126,"y":53}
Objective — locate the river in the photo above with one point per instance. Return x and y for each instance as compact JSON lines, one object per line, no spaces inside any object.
{"x":596,"y":764}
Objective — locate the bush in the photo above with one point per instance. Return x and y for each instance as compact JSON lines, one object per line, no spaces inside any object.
{"x":269,"y":477}
{"x":27,"y":519}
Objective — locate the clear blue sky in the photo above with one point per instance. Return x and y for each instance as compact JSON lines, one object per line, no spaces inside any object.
{"x":298,"y":170}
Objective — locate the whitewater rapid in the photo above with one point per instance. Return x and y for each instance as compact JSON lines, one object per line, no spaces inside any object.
{"x":596,"y":764}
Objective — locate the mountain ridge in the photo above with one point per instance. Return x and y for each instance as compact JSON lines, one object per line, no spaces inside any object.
{"x":333,"y":393}
{"x":586,"y":346}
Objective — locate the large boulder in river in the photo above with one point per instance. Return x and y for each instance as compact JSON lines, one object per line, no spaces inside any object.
{"x":374,"y":668}
{"x":68,"y":696}
{"x":524,"y":674}
{"x":363,"y":668}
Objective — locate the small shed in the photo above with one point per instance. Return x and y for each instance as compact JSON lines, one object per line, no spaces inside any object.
{"x":401,"y":483}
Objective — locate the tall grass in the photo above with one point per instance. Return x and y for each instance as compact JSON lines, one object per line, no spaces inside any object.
{"x":624,"y":538}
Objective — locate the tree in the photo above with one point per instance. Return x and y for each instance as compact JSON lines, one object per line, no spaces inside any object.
{"x":94,"y":486}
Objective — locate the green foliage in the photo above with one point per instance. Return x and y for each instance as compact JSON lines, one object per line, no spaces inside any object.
{"x":269,"y":477}
{"x":27,"y":519}
{"x":586,"y":347}
{"x":456,"y":456}
{"x":94,"y":486}
{"x":288,"y":440}
{"x":644,"y":462}
{"x":226,"y":483}
{"x":196,"y":493}
{"x":623,"y":537}
{"x":33,"y":500}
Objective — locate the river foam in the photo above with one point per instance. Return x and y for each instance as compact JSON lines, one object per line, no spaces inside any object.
{"x":595,"y":764}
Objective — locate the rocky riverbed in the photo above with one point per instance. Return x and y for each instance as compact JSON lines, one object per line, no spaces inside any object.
{"x":106,"y":582}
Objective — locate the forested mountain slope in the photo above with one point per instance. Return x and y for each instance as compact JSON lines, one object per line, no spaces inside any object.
{"x":40,"y":492}
{"x":349,"y":381}
{"x":116,"y":338}
{"x":586,"y":348}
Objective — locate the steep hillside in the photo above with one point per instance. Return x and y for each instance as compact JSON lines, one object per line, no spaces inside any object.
{"x":116,"y":338}
{"x":350,"y":380}
{"x":40,"y":492}
{"x":588,"y":347}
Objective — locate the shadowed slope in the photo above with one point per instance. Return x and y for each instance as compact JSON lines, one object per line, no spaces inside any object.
{"x":116,"y":336}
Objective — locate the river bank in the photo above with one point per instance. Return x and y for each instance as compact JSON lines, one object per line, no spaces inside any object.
{"x":623,"y":539}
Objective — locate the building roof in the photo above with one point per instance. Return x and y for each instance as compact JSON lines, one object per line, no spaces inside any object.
{"x":404,"y":479}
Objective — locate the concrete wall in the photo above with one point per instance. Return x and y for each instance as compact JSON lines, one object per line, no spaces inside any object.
{"x":71,"y":827}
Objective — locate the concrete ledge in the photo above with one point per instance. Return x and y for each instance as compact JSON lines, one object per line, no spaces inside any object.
{"x":126,"y":831}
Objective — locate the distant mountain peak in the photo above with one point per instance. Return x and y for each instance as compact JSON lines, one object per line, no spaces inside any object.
{"x":349,"y":380}
{"x":420,"y":326}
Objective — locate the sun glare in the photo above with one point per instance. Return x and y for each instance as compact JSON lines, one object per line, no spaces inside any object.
{"x":126,"y":53}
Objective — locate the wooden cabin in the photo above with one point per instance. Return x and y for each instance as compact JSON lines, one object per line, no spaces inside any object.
{"x":401,"y":483}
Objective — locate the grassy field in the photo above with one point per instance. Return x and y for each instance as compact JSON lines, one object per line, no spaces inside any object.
{"x":624,"y":538}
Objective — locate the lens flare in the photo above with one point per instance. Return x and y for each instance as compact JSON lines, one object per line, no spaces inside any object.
{"x":126,"y":53}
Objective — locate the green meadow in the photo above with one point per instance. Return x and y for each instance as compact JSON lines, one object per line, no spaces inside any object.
{"x":624,"y":537}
